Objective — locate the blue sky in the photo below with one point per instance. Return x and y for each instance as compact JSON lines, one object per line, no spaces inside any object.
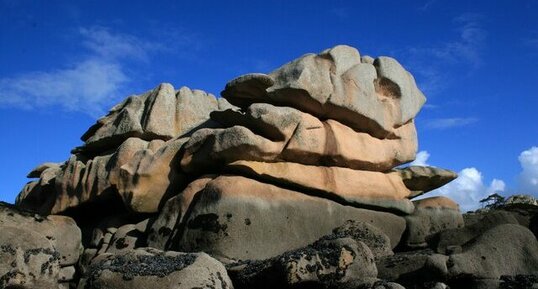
{"x":64,"y":63}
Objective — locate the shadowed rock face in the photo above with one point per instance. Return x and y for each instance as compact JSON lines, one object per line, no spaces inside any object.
{"x":293,"y":179}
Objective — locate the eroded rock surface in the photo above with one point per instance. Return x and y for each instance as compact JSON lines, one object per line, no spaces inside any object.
{"x":301,"y":185}
{"x":36,"y":251}
{"x":151,"y":268}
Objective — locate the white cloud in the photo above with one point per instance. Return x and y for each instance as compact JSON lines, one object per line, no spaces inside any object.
{"x":444,"y":123}
{"x":496,"y":186}
{"x":112,"y":46}
{"x":528,"y":179}
{"x":468,"y":189}
{"x":87,"y":85}
{"x":421,"y":159}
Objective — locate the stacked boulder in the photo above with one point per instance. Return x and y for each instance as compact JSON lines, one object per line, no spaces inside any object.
{"x":291,"y":179}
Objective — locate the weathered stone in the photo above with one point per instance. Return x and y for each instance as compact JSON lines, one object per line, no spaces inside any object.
{"x":62,"y":232}
{"x":67,"y":273}
{"x":336,"y":263}
{"x":162,"y":113}
{"x":39,"y":195}
{"x":142,"y":173}
{"x":506,"y":249}
{"x":386,"y":285}
{"x":269,"y":133}
{"x":336,"y":84}
{"x":232,"y":209}
{"x":97,"y":238}
{"x":431,"y":215}
{"x":126,"y":238}
{"x":412,"y":268}
{"x":421,"y":180}
{"x":151,"y":268}
{"x":248,"y":86}
{"x":39,"y":170}
{"x":165,"y":226}
{"x":522,"y":200}
{"x":85,"y":260}
{"x":443,"y":240}
{"x":151,"y":177}
{"x":81,"y":179}
{"x":377,"y":241}
{"x":350,"y":187}
{"x":27,"y":259}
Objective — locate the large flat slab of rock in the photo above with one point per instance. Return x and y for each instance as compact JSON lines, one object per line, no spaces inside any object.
{"x":239,"y":218}
{"x":269,"y":133}
{"x":335,"y":84}
{"x":326,"y":142}
{"x":366,"y":189}
{"x":422,"y":179}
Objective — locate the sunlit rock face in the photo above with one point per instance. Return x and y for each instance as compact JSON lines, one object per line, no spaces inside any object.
{"x":293,"y":178}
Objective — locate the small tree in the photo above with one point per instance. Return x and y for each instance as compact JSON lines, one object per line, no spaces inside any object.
{"x":492,"y":201}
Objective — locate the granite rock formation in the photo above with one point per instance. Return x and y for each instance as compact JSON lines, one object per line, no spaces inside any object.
{"x":291,"y":179}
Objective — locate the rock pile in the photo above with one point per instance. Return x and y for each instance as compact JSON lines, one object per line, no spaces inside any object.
{"x":290,"y":180}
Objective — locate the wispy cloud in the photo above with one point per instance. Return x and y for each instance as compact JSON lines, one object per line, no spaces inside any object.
{"x":87,"y":85}
{"x":431,"y":62}
{"x":427,"y":5}
{"x":112,"y":46}
{"x":465,"y":49}
{"x":445,"y":123}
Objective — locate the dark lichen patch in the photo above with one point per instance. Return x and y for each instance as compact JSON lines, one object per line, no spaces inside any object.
{"x":7,"y":248}
{"x":121,"y":244}
{"x":247,"y":222}
{"x":518,"y":282}
{"x":8,"y":276}
{"x":359,"y":231}
{"x":165,"y":231}
{"x":207,"y":222}
{"x":158,"y":265}
{"x":32,"y":252}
